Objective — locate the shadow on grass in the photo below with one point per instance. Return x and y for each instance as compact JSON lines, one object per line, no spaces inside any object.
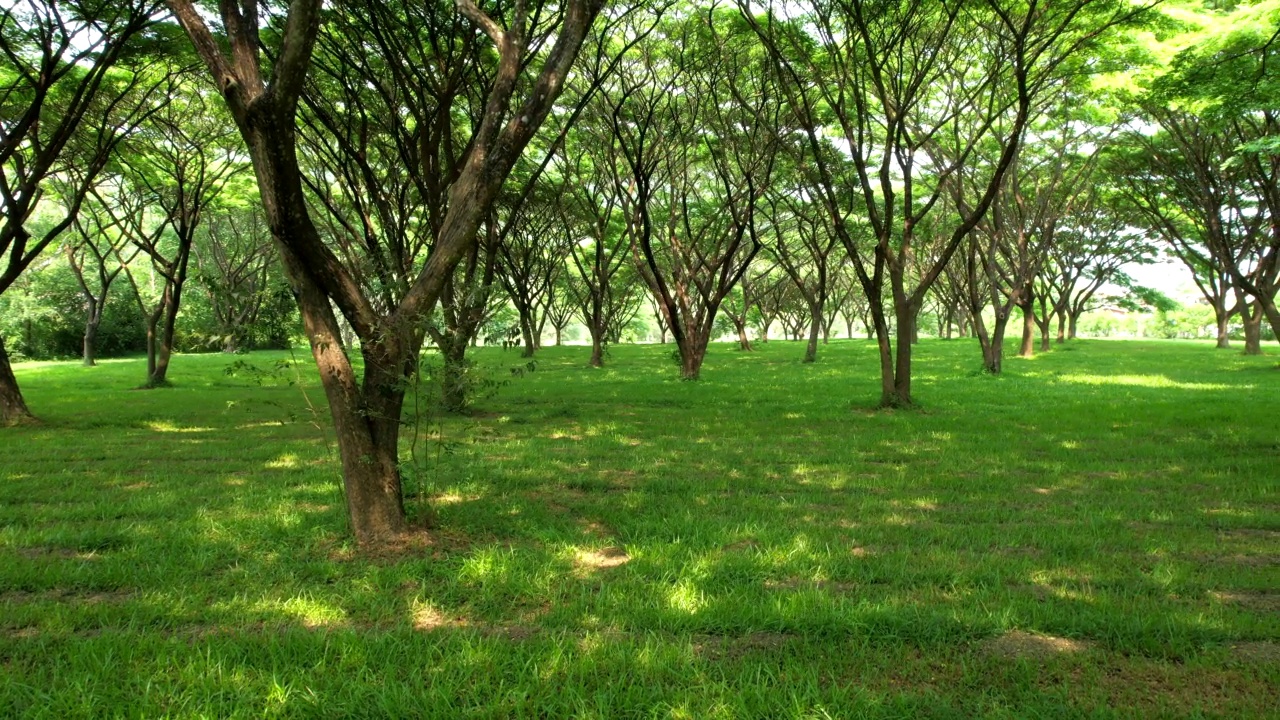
{"x":629,"y":544}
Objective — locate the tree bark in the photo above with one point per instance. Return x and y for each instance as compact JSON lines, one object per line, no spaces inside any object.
{"x":815,"y":328}
{"x":1251,"y":317}
{"x":1028,"y":348}
{"x":91,"y":324}
{"x":13,"y":409}
{"x":597,"y":347}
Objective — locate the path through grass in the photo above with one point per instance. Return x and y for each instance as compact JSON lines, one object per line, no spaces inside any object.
{"x":1096,"y":533}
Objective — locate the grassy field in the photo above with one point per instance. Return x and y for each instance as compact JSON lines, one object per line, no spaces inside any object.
{"x":1095,"y":534}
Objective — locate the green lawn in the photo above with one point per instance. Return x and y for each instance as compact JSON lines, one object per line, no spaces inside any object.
{"x":1097,"y":533}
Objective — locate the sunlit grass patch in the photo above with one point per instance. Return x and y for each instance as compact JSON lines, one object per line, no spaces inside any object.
{"x":1095,"y":533}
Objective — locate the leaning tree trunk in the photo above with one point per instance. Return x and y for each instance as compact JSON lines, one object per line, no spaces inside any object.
{"x":365,"y":415}
{"x":744,"y":342}
{"x":13,"y":409}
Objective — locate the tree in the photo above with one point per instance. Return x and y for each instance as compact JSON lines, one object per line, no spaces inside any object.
{"x":696,"y":169}
{"x":262,"y":94}
{"x":1013,"y":241}
{"x":531,"y":256}
{"x":59,"y":97}
{"x":893,"y":80}
{"x":803,"y":246}
{"x":177,"y":163}
{"x":600,"y":251}
{"x":234,"y":263}
{"x":96,"y":257}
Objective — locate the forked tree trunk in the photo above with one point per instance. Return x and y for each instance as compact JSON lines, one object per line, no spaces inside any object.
{"x":13,"y":409}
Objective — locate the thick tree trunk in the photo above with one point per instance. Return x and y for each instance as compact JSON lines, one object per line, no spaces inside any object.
{"x":366,"y":421}
{"x":1251,"y":316}
{"x":992,"y":341}
{"x":559,"y":332}
{"x":1028,"y":348}
{"x":1062,"y":326}
{"x":1073,"y":322}
{"x":597,"y":347}
{"x":13,"y":409}
{"x":366,"y":418}
{"x":896,"y":386}
{"x":692,"y":353}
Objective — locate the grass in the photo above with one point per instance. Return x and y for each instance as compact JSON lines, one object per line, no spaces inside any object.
{"x":1094,"y":534}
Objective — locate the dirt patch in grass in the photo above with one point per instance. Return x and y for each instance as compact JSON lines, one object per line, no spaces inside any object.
{"x":1259,"y":601}
{"x":717,"y":647}
{"x":1250,"y":534}
{"x":602,"y":559}
{"x":1256,"y":652}
{"x":44,"y":552}
{"x":1022,"y":645}
{"x":66,"y":595}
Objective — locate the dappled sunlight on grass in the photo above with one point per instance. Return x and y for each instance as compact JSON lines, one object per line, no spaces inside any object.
{"x":757,"y":544}
{"x":166,"y":426}
{"x":1146,"y":381}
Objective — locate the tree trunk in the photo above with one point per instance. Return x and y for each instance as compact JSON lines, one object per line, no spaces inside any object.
{"x":526,"y":331}
{"x":597,"y":347}
{"x":13,"y":409}
{"x":1251,"y":316}
{"x":91,"y":325}
{"x":1073,"y":321}
{"x":993,"y":349}
{"x":744,"y":342}
{"x":1062,"y":326}
{"x":1028,"y":348}
{"x":453,"y":382}
{"x":158,"y":376}
{"x":153,"y":323}
{"x":559,"y":332}
{"x":1222,"y":321}
{"x":815,"y":327}
{"x":692,"y":353}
